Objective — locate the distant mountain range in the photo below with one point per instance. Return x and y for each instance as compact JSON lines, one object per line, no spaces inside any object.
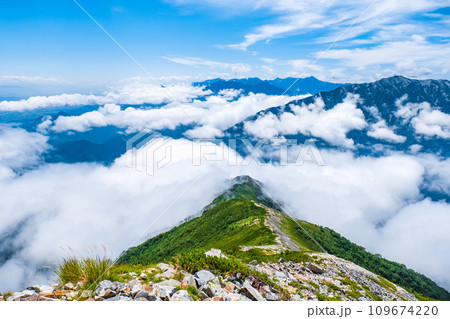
{"x":278,"y":86}
{"x":380,"y":102}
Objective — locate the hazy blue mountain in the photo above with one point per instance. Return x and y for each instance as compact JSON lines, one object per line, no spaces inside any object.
{"x":309,"y":85}
{"x":277,"y":86}
{"x":253,"y":85}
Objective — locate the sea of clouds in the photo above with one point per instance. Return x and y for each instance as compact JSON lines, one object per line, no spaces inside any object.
{"x":375,"y":202}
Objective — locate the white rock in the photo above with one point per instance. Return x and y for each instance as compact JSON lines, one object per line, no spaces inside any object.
{"x":86,"y":294}
{"x":251,"y":292}
{"x":119,"y":298}
{"x":215,"y":288}
{"x":107,"y":293}
{"x":104,"y":285}
{"x":166,"y":274}
{"x":42,"y":288}
{"x":206,"y":290}
{"x":163,"y":266}
{"x":236,"y":297}
{"x":181,"y":295}
{"x":23,"y":294}
{"x":69,"y":286}
{"x":189,"y":279}
{"x":164,"y":292}
{"x":203,"y":277}
{"x":170,"y":282}
{"x":272,"y":297}
{"x":71,"y":295}
{"x":143,"y":276}
{"x":215,"y":253}
{"x":135,"y":289}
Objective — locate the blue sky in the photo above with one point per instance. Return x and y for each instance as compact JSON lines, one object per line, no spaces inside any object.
{"x":57,"y":40}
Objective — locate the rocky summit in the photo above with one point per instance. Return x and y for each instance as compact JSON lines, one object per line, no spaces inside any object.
{"x":329,"y":278}
{"x":242,"y":247}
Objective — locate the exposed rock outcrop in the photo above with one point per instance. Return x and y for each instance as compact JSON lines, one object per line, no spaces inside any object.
{"x":333,"y":279}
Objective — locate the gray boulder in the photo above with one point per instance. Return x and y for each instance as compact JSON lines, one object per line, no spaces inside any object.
{"x":272,"y":297}
{"x":103,"y":286}
{"x":251,"y":292}
{"x":170,"y":282}
{"x":69,"y":286}
{"x":42,"y":288}
{"x":315,"y":269}
{"x":119,"y":298}
{"x":22,"y":295}
{"x":119,"y":286}
{"x":296,"y":298}
{"x":164,"y":292}
{"x":206,"y":290}
{"x":163,"y":266}
{"x":106,"y":293}
{"x":135,"y":289}
{"x":203,"y":277}
{"x":190,"y":280}
{"x":236,"y":297}
{"x":149,"y":296}
{"x":166,"y":274}
{"x":86,"y":294}
{"x":181,"y":295}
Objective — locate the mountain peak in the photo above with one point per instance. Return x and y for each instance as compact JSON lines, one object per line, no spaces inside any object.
{"x":241,"y":222}
{"x":245,"y":187}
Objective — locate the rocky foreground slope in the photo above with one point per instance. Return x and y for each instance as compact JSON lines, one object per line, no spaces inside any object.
{"x":333,"y":279}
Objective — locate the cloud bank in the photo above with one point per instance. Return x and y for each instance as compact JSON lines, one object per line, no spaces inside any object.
{"x":211,"y":116}
{"x":135,"y":93}
{"x":313,"y":120}
{"x":375,"y":202}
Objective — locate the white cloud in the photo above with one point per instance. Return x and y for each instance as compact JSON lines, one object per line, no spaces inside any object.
{"x":331,"y":125}
{"x":415,"y":57}
{"x":425,"y":120}
{"x":297,"y":17}
{"x":438,"y":173}
{"x":432,"y":123}
{"x":19,"y":148}
{"x":239,"y":69}
{"x":423,"y":226}
{"x":381,"y":131}
{"x":214,"y":114}
{"x":82,"y":205}
{"x":20,"y":80}
{"x":140,"y":91}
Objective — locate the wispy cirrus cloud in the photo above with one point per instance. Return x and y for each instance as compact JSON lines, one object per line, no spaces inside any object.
{"x":236,"y":68}
{"x":414,"y":56}
{"x":296,"y":17}
{"x":397,"y":37}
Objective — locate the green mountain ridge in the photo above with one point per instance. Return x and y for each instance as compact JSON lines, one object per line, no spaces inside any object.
{"x":244,"y":221}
